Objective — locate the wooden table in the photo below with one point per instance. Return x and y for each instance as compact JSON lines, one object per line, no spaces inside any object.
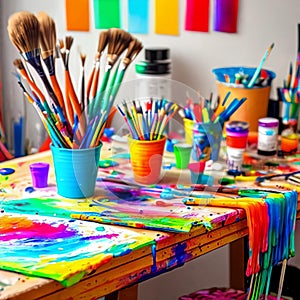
{"x":118,"y":279}
{"x":127,"y":271}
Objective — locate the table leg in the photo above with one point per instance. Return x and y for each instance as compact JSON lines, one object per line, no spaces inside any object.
{"x":237,"y":264}
{"x":112,"y":296}
{"x":130,"y":293}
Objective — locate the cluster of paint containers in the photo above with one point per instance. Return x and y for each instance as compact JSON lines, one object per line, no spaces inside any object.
{"x":237,"y":137}
{"x":205,"y":139}
{"x":202,"y":143}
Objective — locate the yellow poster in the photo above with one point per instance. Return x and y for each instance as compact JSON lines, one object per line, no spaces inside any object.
{"x":166,"y":18}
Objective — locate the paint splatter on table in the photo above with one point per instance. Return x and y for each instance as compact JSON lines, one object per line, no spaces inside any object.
{"x":113,"y":203}
{"x":60,"y":249}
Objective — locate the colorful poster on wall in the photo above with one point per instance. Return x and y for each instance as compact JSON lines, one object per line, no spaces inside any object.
{"x":107,"y":14}
{"x":138,"y":16}
{"x":226,"y":15}
{"x":197,"y":15}
{"x":166,"y":17}
{"x":77,"y":15}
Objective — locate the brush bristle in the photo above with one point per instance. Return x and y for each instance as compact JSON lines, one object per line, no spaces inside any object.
{"x":103,"y":39}
{"x":83,"y":58}
{"x":118,"y":41}
{"x":23,"y":30}
{"x":61,"y":44}
{"x":134,"y":48}
{"x":62,"y":50}
{"x":68,"y":42}
{"x":123,"y":42}
{"x":47,"y":34}
{"x":18,"y":64}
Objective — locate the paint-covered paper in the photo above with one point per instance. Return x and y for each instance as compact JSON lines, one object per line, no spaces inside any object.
{"x":61,"y":249}
{"x":119,"y":204}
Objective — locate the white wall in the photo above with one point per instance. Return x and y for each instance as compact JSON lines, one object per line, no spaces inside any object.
{"x":194,"y":55}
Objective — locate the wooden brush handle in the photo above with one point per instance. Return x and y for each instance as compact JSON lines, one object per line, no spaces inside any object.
{"x":75,"y":103}
{"x":38,"y":93}
{"x":68,"y":106}
{"x":89,"y":84}
{"x":33,"y":86}
{"x":57,"y":92}
{"x":95,"y":83}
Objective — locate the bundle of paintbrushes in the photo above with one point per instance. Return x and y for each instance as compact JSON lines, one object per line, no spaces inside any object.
{"x":72,"y":120}
{"x":202,"y":113}
{"x":147,"y":120}
{"x":290,"y":95}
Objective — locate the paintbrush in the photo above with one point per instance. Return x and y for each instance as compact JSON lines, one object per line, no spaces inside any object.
{"x":24,"y":32}
{"x":81,"y":89}
{"x":94,"y":77}
{"x":134,"y":48}
{"x":36,"y":97}
{"x":258,"y":69}
{"x":47,"y":44}
{"x":68,"y":105}
{"x":118,"y":41}
{"x":65,"y":53}
{"x":38,"y":93}
{"x":70,"y":91}
{"x":56,"y":136}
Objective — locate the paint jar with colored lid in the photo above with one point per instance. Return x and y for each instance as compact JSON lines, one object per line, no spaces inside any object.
{"x":237,"y":134}
{"x":236,"y":144}
{"x":267,"y":136}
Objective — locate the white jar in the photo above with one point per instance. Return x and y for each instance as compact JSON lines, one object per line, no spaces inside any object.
{"x":267,"y":136}
{"x":154,"y":74}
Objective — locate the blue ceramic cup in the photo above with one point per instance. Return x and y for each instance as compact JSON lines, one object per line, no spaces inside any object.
{"x":76,"y":171}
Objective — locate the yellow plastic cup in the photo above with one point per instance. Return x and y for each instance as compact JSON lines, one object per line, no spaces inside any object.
{"x":146,"y":159}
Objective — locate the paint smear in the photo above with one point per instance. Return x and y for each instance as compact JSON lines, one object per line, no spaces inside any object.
{"x":61,"y":249}
{"x":128,"y":207}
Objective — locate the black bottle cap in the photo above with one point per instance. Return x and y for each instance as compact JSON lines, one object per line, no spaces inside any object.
{"x":154,"y":54}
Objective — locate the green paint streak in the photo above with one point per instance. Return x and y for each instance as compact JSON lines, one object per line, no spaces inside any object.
{"x":42,"y":206}
{"x":73,"y":279}
{"x":71,"y":209}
